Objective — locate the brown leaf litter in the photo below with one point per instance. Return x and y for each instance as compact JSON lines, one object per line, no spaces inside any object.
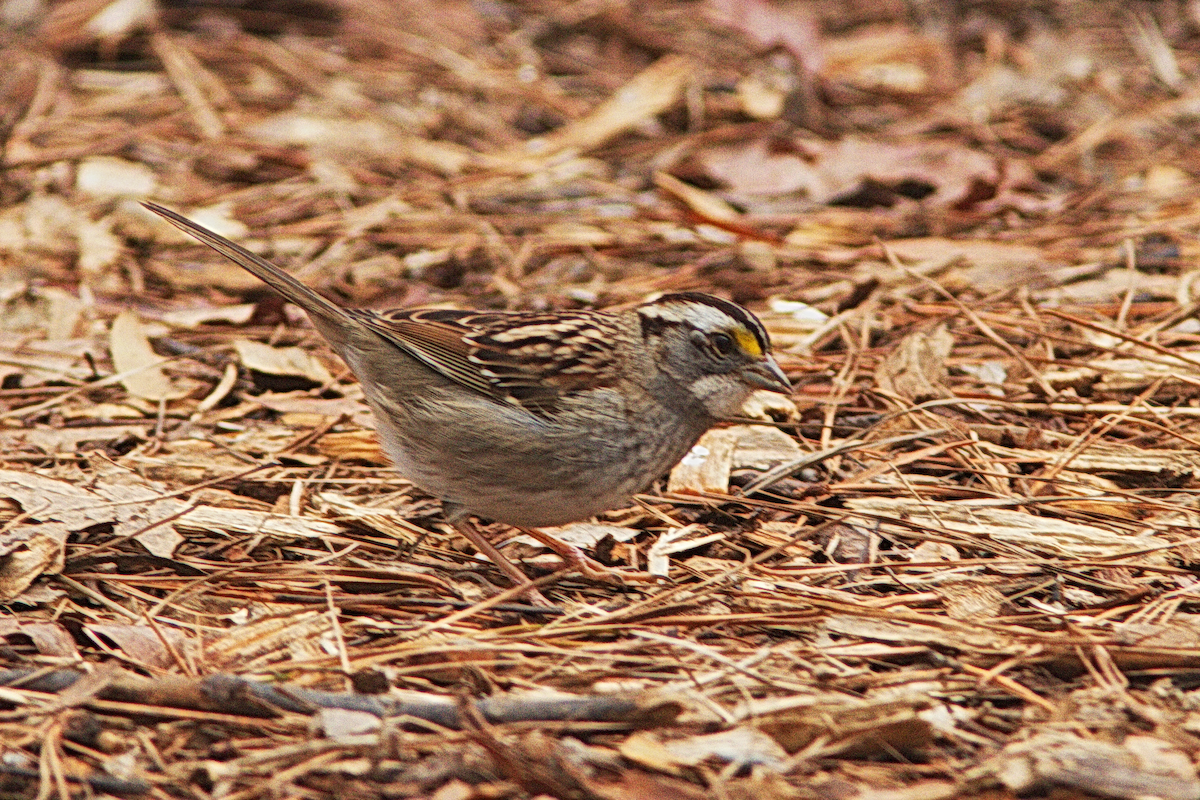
{"x":958,"y":562}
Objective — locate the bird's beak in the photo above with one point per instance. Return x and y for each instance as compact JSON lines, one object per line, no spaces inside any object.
{"x":768,"y":375}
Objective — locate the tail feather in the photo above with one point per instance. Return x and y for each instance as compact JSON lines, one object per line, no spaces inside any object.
{"x":327,"y":316}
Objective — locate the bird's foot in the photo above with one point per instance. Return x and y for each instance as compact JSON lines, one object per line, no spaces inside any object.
{"x":588,"y":567}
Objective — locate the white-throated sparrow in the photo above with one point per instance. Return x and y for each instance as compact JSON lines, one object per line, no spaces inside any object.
{"x":530,"y":418}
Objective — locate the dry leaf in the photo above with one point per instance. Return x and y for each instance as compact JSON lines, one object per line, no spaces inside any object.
{"x":847,"y":725}
{"x":792,"y":26}
{"x":304,"y":403}
{"x":51,"y":312}
{"x":744,"y":746}
{"x":134,"y":508}
{"x":142,"y":643}
{"x":282,"y":361}
{"x":238,"y":314}
{"x":49,"y":638}
{"x":916,"y":370}
{"x":134,"y":358}
{"x":161,"y":540}
{"x":27,"y":552}
{"x":47,"y":499}
{"x":587,"y":535}
{"x":68,"y":440}
{"x":979,"y":265}
{"x":1063,"y":759}
{"x":851,"y":170}
{"x":651,"y":92}
{"x":226,"y":521}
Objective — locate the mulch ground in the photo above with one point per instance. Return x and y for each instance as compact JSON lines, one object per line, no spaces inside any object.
{"x":959,"y":562}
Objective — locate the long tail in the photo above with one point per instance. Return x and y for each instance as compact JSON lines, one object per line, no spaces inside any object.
{"x":328,"y":317}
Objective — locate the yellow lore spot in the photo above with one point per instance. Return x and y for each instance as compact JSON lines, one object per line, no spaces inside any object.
{"x":747,"y":341}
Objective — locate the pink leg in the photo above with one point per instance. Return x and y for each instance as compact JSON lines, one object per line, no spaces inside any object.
{"x":475,"y":537}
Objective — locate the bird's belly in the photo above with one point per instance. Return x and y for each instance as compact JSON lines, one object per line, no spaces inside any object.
{"x":499,"y":466}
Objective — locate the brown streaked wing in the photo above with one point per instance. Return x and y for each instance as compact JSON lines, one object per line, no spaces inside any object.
{"x":435,"y":337}
{"x":537,"y":358}
{"x":531,"y":359}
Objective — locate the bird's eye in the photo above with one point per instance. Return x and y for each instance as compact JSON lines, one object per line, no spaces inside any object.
{"x":723,"y":343}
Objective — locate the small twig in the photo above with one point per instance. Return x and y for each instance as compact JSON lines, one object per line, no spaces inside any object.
{"x":791,"y":467}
